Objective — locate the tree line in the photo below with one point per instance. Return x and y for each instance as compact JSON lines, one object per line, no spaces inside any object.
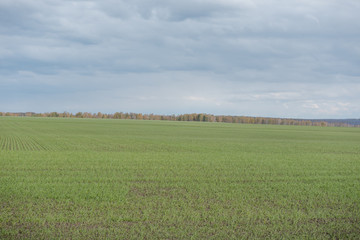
{"x":197,"y":117}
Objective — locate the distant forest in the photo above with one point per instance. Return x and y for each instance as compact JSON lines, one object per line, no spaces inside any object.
{"x":197,"y":117}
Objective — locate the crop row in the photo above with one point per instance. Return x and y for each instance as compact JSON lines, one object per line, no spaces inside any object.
{"x":24,"y":143}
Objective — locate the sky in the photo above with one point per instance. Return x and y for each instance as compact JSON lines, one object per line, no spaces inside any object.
{"x":270,"y":58}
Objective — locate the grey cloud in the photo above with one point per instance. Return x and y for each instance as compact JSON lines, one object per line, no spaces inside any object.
{"x":237,"y":57}
{"x":221,"y":43}
{"x":171,"y":9}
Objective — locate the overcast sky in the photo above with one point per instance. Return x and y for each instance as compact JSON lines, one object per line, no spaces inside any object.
{"x":278,"y":58}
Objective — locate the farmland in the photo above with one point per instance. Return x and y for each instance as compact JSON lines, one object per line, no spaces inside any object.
{"x":127,"y":179}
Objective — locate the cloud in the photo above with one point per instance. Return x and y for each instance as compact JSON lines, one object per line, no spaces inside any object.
{"x":172,"y":10}
{"x":275,"y":58}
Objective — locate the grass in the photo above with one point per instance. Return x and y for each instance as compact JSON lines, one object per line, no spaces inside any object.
{"x":123,"y":179}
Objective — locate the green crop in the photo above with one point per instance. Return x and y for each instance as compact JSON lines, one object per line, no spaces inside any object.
{"x":126,"y":179}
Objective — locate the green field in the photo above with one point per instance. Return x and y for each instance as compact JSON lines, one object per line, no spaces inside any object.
{"x":127,"y":179}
